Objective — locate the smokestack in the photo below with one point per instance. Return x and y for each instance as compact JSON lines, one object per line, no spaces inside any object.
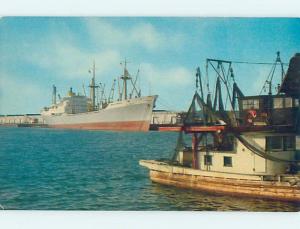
{"x":54,"y":95}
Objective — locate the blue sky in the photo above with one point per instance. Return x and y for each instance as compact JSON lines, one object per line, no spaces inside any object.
{"x":36,"y":52}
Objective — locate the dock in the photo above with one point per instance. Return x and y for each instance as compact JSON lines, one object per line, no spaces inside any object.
{"x":164,"y":120}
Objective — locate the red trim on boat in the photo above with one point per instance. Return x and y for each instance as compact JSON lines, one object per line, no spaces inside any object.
{"x":170,"y":128}
{"x":118,"y":126}
{"x":192,"y":128}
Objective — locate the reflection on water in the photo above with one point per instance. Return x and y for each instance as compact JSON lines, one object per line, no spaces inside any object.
{"x":184,"y":199}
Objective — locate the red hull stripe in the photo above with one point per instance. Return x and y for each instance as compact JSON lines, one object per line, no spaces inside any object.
{"x":119,"y":126}
{"x":192,"y":128}
{"x":170,"y":128}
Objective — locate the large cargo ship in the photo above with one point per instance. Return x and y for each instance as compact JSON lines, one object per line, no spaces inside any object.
{"x":130,"y":112}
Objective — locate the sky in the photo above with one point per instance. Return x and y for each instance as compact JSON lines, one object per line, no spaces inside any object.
{"x":37,"y":52}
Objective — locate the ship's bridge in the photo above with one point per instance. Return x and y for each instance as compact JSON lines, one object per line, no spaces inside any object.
{"x":275,"y":110}
{"x":68,"y":105}
{"x":268,"y":110}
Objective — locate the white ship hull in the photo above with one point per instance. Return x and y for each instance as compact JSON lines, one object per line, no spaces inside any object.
{"x":127,"y":115}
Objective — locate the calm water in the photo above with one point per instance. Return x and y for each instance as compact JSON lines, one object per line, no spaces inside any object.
{"x":93,"y":170}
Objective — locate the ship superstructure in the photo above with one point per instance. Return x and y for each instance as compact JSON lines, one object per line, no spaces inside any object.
{"x":130,"y":112}
{"x":249,"y":147}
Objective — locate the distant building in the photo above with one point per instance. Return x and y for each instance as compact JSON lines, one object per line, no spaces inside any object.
{"x":165,"y":118}
{"x":20,"y":119}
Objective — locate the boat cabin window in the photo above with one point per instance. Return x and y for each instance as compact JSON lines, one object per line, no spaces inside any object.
{"x":296,"y":102}
{"x":289,"y":143}
{"x":207,"y":159}
{"x":280,"y":143}
{"x":227,"y":161}
{"x":250,"y":104}
{"x":282,"y":103}
{"x":224,"y":143}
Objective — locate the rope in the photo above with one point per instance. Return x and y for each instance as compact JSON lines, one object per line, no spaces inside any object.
{"x":270,"y":76}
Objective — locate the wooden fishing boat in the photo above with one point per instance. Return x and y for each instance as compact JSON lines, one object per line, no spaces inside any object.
{"x":249,"y":149}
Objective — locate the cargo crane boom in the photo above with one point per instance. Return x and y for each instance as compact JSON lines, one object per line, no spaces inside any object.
{"x":112,"y":92}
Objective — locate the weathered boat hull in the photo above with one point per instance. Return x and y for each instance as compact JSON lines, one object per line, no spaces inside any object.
{"x":234,"y":184}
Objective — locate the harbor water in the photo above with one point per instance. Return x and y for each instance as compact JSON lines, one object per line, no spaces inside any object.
{"x":48,"y":169}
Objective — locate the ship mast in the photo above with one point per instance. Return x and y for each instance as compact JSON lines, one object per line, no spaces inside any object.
{"x":93,"y":87}
{"x":125,"y":77}
{"x":54,"y":95}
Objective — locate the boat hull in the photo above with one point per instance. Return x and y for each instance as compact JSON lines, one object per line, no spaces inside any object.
{"x":129,"y":115}
{"x":237,"y":185}
{"x":114,"y":126}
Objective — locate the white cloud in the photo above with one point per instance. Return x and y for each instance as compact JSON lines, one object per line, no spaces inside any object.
{"x":61,"y":55}
{"x":147,"y":36}
{"x":171,"y":84}
{"x":141,"y":34}
{"x":70,"y":61}
{"x":103,"y":33}
{"x":164,"y":77}
{"x":17,"y":94}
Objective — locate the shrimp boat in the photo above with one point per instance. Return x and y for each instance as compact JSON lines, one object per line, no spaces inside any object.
{"x":130,"y":112}
{"x":249,"y":149}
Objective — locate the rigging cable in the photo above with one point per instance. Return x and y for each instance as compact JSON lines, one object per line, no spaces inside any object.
{"x":258,"y":63}
{"x":269,"y":79}
{"x":165,"y":104}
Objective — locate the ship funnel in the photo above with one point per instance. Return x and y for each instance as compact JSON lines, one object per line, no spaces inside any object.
{"x":71,"y":93}
{"x":54,"y":95}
